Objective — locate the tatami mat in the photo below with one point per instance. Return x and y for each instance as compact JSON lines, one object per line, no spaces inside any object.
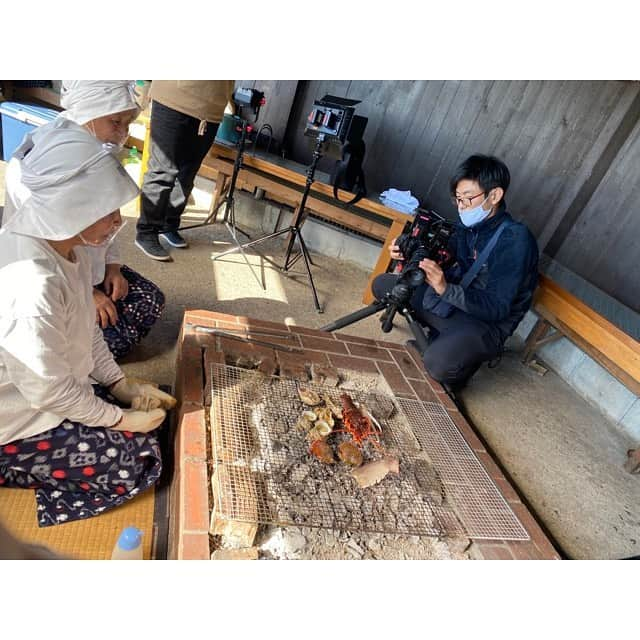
{"x":91,"y":539}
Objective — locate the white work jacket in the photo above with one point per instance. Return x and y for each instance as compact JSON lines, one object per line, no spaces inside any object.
{"x":50,"y":343}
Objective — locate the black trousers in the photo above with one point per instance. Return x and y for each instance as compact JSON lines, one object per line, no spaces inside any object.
{"x":176,"y":153}
{"x":458,"y":345}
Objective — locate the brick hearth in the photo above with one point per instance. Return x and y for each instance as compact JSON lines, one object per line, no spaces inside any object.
{"x":400,"y":367}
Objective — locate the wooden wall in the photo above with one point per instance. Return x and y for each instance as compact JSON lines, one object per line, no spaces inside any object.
{"x":573,"y":148}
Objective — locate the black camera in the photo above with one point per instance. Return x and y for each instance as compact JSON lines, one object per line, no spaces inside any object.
{"x":428,"y":236}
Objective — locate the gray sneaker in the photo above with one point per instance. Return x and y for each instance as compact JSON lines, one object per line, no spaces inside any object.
{"x":175,"y":239}
{"x":151,"y":247}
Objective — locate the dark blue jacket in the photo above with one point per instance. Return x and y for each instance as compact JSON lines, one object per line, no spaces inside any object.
{"x":502,"y":291}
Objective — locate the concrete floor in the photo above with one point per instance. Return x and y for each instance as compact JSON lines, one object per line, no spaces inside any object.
{"x":564,"y":456}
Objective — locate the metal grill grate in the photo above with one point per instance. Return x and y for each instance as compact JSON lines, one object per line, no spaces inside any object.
{"x":265,"y":475}
{"x":478,"y":501}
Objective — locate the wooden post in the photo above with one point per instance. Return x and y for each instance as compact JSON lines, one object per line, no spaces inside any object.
{"x":383,"y":259}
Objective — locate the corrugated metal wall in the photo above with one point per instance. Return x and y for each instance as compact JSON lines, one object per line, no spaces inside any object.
{"x":553,"y":135}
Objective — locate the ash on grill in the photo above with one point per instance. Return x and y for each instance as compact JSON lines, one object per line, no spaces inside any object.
{"x":255,"y":436}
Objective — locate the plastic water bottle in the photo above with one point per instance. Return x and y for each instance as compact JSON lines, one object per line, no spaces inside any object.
{"x":129,"y":545}
{"x":132,"y":164}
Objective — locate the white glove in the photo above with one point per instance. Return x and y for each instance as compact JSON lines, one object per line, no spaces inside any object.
{"x":140,"y":421}
{"x":141,"y":395}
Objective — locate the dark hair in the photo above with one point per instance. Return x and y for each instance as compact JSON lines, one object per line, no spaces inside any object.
{"x":488,"y":171}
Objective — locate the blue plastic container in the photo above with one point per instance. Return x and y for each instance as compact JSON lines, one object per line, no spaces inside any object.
{"x":17,"y":120}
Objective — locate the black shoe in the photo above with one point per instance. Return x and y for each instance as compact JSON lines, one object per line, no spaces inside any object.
{"x":175,"y":239}
{"x":151,"y":247}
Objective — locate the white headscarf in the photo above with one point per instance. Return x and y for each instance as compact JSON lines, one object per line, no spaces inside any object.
{"x":86,"y":100}
{"x":72,"y":182}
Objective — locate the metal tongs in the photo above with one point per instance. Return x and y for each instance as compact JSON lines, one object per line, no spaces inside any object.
{"x":229,"y":333}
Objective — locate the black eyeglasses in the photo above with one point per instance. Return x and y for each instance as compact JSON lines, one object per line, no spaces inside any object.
{"x":467,"y":201}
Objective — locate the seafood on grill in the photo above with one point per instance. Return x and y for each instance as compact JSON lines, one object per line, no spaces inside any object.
{"x":308,"y":396}
{"x":320,"y":429}
{"x":321,"y":450}
{"x":350,"y":454}
{"x":332,"y":406}
{"x":373,"y":472}
{"x":306,"y":420}
{"x":324,"y":414}
{"x":357,"y":424}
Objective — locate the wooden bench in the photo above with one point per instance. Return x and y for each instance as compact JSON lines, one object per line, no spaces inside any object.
{"x":562,"y":314}
{"x":285,"y":185}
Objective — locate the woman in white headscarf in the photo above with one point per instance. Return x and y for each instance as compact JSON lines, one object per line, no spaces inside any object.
{"x":59,"y":434}
{"x":127,"y":305}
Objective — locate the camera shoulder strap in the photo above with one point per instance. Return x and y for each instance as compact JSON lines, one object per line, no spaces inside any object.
{"x":468,"y":277}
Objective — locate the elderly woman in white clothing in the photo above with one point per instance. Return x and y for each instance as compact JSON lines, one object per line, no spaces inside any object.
{"x":127,"y":305}
{"x":84,"y":448}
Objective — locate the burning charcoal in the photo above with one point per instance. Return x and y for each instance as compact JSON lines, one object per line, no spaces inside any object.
{"x":380,"y":406}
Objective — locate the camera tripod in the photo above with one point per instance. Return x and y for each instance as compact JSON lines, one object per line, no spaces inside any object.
{"x":229,"y":217}
{"x":392,"y":304}
{"x":294,"y":228}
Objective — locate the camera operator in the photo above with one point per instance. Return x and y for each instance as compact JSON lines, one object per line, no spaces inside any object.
{"x":469,"y":321}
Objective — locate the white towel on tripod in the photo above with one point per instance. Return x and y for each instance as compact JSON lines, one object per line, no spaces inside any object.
{"x":399,"y":200}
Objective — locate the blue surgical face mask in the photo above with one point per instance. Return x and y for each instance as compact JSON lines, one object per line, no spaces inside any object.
{"x":472,"y":217}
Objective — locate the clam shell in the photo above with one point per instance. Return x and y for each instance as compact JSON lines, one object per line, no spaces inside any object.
{"x":309,"y":415}
{"x":323,"y":428}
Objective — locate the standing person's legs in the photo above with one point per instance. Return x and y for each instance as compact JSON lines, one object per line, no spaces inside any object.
{"x":189,"y":160}
{"x":137,"y":313}
{"x":168,"y":130}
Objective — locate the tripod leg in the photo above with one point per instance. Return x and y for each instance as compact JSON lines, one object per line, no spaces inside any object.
{"x":305,"y":255}
{"x":230,"y":216}
{"x":232,"y":230}
{"x":355,"y":316}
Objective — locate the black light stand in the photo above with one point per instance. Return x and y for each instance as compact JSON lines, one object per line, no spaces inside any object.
{"x":294,"y":227}
{"x":228,"y":201}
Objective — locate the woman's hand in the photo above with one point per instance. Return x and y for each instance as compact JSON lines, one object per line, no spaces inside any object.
{"x":106,"y":312}
{"x":116,"y":285}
